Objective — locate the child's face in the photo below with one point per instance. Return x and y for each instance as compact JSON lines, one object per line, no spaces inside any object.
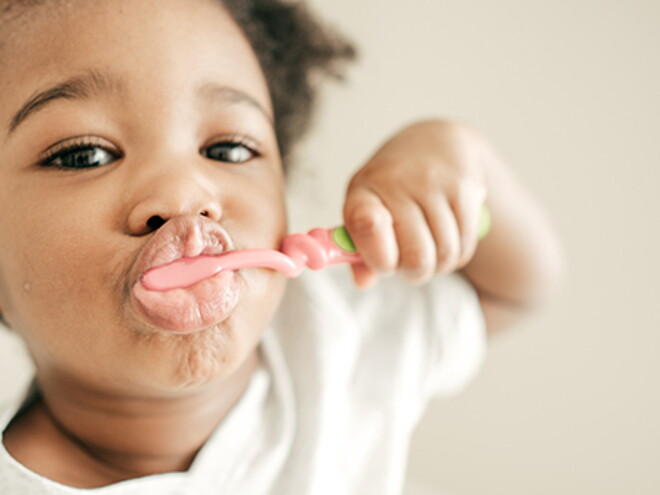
{"x":174,"y":79}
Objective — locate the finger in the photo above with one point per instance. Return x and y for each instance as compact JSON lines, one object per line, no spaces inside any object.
{"x":417,"y":250}
{"x":370,"y":225}
{"x":445,"y":231}
{"x":363,"y":276}
{"x":467,"y":209}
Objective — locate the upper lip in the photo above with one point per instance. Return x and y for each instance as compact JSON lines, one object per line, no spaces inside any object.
{"x":183,"y":236}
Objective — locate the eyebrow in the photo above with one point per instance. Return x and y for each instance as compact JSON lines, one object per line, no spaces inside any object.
{"x":95,"y":83}
{"x":79,"y":87}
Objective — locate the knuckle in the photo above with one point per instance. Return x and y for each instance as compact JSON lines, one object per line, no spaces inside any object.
{"x":470,"y":190}
{"x":418,"y":275}
{"x":428,"y":172}
{"x":448,"y":256}
{"x":366,"y":220}
{"x":467,"y":254}
{"x":417,"y":260}
{"x":418,"y":279}
{"x":380,"y":260}
{"x":385,"y":265}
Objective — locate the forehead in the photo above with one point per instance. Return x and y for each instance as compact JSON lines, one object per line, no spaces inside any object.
{"x":15,"y":13}
{"x":14,"y":8}
{"x":153,"y":42}
{"x":18,"y":16}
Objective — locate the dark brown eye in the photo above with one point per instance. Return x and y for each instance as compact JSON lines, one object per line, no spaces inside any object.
{"x":230,"y":152}
{"x":78,"y":157}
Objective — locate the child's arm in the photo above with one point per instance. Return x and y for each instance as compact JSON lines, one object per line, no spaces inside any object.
{"x":414,"y":208}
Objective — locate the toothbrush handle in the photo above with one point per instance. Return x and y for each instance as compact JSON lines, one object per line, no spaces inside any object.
{"x":316,"y":250}
{"x":345,"y":252}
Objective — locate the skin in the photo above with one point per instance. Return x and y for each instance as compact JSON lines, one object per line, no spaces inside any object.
{"x":68,"y":239}
{"x":414,"y":209}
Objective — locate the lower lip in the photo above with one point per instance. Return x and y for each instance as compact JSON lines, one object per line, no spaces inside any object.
{"x":192,"y":309}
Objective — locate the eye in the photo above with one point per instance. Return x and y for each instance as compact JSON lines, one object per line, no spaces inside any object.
{"x":230,"y":152}
{"x":78,"y":155}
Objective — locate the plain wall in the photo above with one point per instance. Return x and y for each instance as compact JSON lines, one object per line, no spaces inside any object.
{"x":568,"y":402}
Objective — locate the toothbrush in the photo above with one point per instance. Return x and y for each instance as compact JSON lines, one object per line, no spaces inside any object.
{"x":317,"y":249}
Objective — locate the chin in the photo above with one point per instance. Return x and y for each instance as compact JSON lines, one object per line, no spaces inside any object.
{"x":187,"y":361}
{"x":197,"y":359}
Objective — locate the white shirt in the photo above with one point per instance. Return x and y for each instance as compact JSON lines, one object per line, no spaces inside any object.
{"x":346,"y":376}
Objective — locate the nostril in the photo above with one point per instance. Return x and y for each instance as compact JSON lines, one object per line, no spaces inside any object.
{"x":204,"y":213}
{"x":155,"y":222}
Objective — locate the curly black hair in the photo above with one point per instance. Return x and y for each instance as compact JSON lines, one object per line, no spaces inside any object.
{"x":292,"y":47}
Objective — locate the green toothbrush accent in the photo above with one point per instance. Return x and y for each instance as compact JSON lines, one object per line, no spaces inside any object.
{"x":344,"y":242}
{"x":485,"y":222}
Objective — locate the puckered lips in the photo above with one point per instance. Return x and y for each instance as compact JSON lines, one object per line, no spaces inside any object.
{"x":194,"y":308}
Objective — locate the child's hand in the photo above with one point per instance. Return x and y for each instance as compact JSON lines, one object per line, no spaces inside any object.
{"x":414,"y":208}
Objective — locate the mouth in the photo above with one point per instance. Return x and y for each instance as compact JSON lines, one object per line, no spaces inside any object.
{"x":184,"y":236}
{"x":191,"y":309}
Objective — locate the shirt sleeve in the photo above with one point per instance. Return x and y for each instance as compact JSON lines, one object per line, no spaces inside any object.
{"x":423,"y":342}
{"x":456,"y":336}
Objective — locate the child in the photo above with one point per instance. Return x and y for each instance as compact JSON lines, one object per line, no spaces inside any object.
{"x":136,"y":132}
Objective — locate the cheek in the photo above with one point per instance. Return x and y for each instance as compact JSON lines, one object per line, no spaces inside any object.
{"x":256,"y":216}
{"x":51,"y":263}
{"x":258,"y":219}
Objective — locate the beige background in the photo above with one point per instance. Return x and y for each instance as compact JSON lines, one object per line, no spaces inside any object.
{"x":568,"y":92}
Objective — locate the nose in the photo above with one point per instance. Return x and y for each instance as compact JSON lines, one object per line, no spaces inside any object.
{"x":171,"y":192}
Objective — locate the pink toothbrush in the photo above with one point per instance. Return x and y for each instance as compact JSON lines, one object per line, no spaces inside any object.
{"x":317,"y":249}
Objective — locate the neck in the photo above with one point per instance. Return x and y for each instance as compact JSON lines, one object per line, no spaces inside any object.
{"x":124,"y":438}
